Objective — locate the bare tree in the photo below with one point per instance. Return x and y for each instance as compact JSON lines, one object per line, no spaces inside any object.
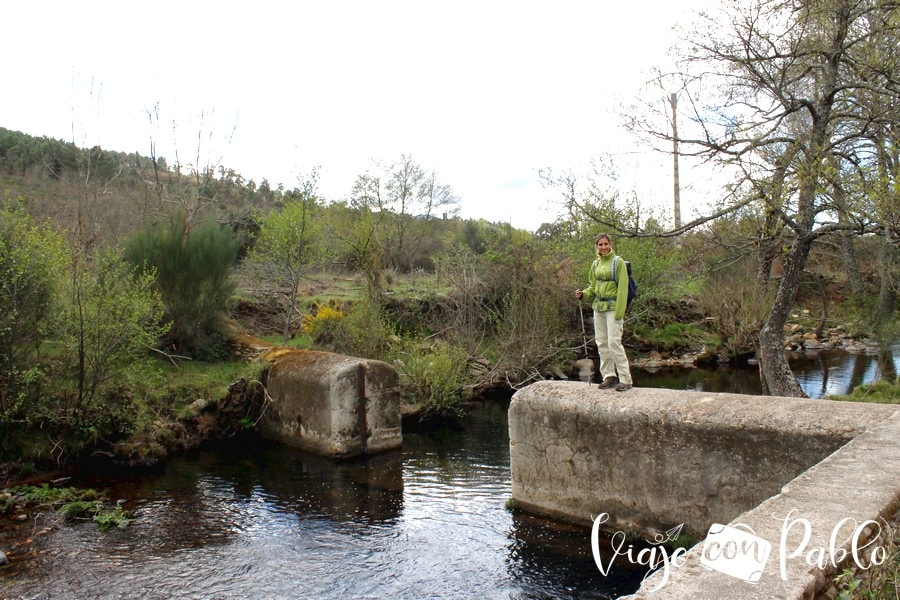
{"x":412,"y":197}
{"x":189,"y":185}
{"x":788,"y":94}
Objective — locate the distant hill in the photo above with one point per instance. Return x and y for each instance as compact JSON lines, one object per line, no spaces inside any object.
{"x":110,"y":194}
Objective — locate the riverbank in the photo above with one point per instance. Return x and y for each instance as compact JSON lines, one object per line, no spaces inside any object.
{"x":220,"y":412}
{"x":216,"y":410}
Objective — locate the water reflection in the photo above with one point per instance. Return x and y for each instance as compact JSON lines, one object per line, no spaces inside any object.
{"x":737,"y":380}
{"x":258,"y":520}
{"x":826,"y":373}
{"x":820,"y":373}
{"x":537,"y":545}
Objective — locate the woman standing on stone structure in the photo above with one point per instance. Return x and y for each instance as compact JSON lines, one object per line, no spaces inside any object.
{"x":610,"y":296}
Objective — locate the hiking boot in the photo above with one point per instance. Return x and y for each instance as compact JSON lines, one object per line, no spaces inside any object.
{"x":623,"y":386}
{"x":608,"y":383}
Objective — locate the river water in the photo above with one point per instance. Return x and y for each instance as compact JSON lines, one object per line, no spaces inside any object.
{"x":250,"y":519}
{"x":254,"y":520}
{"x":820,"y":374}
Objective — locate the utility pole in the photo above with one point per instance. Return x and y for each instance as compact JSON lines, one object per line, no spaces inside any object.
{"x":673,"y":99}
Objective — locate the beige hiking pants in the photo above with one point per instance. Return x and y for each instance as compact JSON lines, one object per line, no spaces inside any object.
{"x":608,"y":333}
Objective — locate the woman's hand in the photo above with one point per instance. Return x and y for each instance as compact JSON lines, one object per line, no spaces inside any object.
{"x":579,"y":294}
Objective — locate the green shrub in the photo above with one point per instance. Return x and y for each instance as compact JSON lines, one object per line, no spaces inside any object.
{"x":512,"y":306}
{"x":111,"y":319}
{"x":364,"y":332}
{"x":878,"y":582}
{"x":89,"y":505}
{"x":193,"y":272}
{"x":675,"y":336}
{"x":738,"y":304}
{"x":53,"y":497}
{"x":682,"y":540}
{"x":32,"y":259}
{"x":289,"y":244}
{"x":80,"y":509}
{"x":436,"y":376}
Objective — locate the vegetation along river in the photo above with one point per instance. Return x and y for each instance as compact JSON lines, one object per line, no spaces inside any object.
{"x":252,"y":520}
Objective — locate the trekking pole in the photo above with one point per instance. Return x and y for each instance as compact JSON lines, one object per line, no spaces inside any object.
{"x":584,"y":339}
{"x":583,"y":332}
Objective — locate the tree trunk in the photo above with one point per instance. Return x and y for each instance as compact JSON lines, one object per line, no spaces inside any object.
{"x":823,"y":318}
{"x":848,"y":251}
{"x":771,"y":236}
{"x":887,"y":307}
{"x":774,"y":370}
{"x":775,"y":373}
{"x":769,"y":246}
{"x":886,"y":366}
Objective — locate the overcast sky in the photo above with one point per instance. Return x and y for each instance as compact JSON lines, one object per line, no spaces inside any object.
{"x":485,"y":93}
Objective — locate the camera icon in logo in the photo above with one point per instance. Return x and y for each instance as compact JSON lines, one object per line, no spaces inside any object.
{"x":739,"y":553}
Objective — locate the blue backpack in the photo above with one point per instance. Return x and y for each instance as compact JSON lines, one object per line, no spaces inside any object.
{"x":632,"y":286}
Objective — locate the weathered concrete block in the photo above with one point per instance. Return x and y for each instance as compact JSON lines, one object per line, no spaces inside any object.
{"x":830,"y":502}
{"x":331,"y":404}
{"x":653,"y":459}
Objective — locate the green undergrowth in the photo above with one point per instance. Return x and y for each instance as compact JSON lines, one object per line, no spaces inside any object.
{"x":172,"y":385}
{"x":418,"y":284}
{"x":436,"y":375}
{"x":674,"y":336}
{"x":882,"y":392}
{"x":879,"y":581}
{"x":682,"y":540}
{"x":141,"y":410}
{"x":73,"y":504}
{"x":302,"y":341}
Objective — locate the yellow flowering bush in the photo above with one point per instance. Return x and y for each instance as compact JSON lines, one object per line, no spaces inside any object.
{"x":321,"y":326}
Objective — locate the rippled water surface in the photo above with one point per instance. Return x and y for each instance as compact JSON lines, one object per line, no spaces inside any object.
{"x":261,"y":521}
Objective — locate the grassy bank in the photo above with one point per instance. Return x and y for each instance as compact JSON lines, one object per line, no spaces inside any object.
{"x":157,"y":407}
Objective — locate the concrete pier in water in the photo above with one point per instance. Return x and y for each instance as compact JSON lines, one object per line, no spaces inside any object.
{"x":331,"y":404}
{"x":654,"y":459}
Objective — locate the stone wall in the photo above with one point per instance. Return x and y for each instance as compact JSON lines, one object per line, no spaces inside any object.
{"x":653,"y":459}
{"x":331,"y":404}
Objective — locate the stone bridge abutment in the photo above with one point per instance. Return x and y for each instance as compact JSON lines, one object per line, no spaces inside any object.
{"x":653,"y":459}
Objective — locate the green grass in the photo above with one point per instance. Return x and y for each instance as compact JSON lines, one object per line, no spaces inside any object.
{"x":80,"y":509}
{"x":320,"y":287}
{"x":676,"y":335}
{"x":161,"y":392}
{"x":138,"y":409}
{"x":71,"y":503}
{"x":160,"y":381}
{"x":882,"y":392}
{"x":418,"y":284}
{"x":116,"y":518}
{"x":879,"y":582}
{"x":298,"y":341}
{"x":683,"y":540}
{"x":46,"y":496}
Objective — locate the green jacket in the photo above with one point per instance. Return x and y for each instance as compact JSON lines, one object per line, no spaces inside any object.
{"x":602,"y":289}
